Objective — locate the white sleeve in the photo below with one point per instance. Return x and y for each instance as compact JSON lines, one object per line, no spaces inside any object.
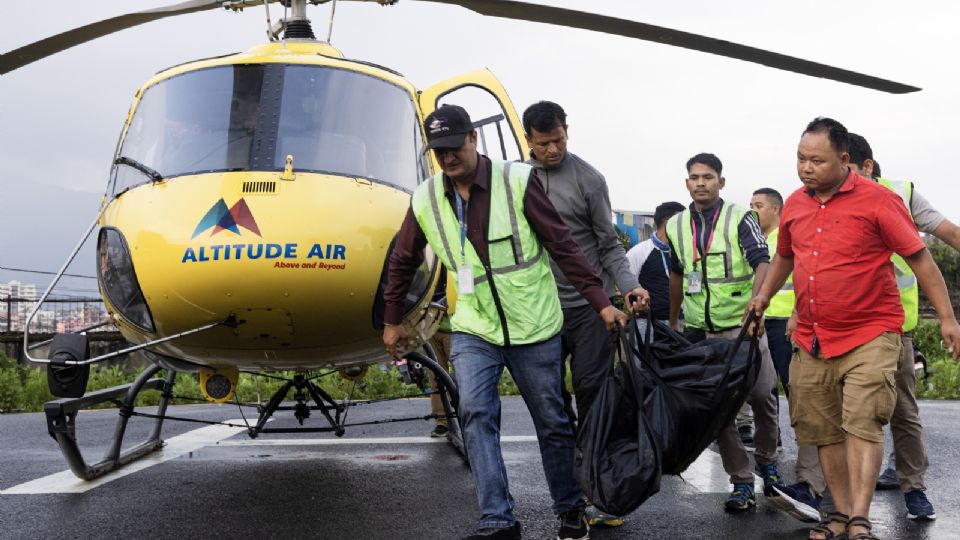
{"x":638,"y":254}
{"x":924,"y":214}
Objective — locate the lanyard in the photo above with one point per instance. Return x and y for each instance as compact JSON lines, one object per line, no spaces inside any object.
{"x":462,"y":218}
{"x":664,"y":249}
{"x":713,"y":229}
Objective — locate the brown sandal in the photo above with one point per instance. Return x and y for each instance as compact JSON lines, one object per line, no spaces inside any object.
{"x":860,"y":521}
{"x":828,"y":534}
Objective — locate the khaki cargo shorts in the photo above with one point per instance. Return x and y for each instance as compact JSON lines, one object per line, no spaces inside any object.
{"x":853,"y":393}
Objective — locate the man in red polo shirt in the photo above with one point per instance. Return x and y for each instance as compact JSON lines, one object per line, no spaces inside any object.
{"x":836,"y":235}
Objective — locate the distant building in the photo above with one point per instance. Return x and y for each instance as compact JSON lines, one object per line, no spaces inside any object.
{"x":18,"y":300}
{"x":15,"y":289}
{"x":635,"y":225}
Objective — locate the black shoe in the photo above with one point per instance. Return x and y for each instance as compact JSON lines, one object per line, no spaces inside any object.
{"x":888,"y":479}
{"x":513,"y":533}
{"x":439,"y":431}
{"x":573,"y":525}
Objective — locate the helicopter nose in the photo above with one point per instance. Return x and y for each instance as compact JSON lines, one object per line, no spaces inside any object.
{"x":300,"y":262}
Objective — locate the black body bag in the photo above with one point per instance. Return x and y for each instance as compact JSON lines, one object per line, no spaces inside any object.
{"x":693,"y":390}
{"x":617,"y":461}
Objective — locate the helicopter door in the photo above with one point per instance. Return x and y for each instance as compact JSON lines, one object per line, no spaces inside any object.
{"x":500,"y":132}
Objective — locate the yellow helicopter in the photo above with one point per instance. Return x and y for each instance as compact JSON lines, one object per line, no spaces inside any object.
{"x":251,"y":205}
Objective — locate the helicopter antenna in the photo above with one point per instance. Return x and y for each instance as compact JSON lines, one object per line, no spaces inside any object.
{"x":333,"y":11}
{"x":270,"y":34}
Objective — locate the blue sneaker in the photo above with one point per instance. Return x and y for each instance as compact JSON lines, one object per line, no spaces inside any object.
{"x":741,"y":499}
{"x":918,"y":507}
{"x":771,"y":478}
{"x":798,"y":500}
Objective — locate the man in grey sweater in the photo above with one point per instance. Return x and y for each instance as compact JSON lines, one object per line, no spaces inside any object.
{"x":579,"y":193}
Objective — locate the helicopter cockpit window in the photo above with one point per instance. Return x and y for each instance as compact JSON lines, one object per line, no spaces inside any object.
{"x":343,"y":122}
{"x":250,"y":117}
{"x":495,"y":138}
{"x":196,"y":122}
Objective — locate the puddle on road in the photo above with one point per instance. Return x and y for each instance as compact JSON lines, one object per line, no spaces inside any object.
{"x":374,"y":458}
{"x":391,"y":457}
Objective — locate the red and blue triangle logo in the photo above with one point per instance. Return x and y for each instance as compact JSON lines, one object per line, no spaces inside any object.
{"x":220,"y":218}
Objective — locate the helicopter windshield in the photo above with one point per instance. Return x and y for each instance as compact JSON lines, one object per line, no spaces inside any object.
{"x":252,"y":116}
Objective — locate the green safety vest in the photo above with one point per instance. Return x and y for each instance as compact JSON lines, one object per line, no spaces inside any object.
{"x":781,"y":305}
{"x":906,"y":279}
{"x":526,"y":308}
{"x":727,"y":285}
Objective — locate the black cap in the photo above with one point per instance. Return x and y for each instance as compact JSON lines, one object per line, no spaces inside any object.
{"x":447,"y":127}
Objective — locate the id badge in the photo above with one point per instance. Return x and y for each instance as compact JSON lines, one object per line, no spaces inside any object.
{"x":694,"y":282}
{"x":465,"y":280}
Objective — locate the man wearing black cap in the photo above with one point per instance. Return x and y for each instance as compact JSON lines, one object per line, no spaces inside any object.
{"x":489,"y":221}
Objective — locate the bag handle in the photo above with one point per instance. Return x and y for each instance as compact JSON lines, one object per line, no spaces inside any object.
{"x":649,"y":335}
{"x":628,"y":345}
{"x":751,"y":353}
{"x":624,"y":349}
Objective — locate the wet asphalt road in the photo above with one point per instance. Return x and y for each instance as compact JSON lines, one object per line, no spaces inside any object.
{"x":384,"y":489}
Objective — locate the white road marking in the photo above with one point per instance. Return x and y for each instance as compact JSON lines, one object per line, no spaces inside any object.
{"x":66,"y":482}
{"x":368,"y":440}
{"x":706,"y":474}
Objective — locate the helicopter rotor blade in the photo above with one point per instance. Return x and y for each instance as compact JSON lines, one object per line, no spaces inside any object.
{"x":611,"y":25}
{"x":41,"y":49}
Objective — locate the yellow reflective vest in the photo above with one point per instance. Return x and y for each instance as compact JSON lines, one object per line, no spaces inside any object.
{"x":781,"y":305}
{"x":726,"y":278}
{"x":906,"y":279}
{"x":514,"y":301}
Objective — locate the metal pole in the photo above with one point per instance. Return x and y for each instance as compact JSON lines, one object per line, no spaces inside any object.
{"x":56,"y":279}
{"x":122,"y":352}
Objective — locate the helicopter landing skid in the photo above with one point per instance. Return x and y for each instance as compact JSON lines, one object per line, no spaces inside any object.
{"x":62,"y":415}
{"x":335,"y":413}
{"x":449,"y":397}
{"x":324,"y":403}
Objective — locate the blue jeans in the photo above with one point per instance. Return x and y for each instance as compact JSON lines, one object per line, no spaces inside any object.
{"x":478,"y":366}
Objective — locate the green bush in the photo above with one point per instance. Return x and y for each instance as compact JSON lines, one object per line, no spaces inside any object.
{"x":25,"y":388}
{"x":35,"y":390}
{"x":944,"y":383}
{"x":926,"y":338}
{"x":11,"y":389}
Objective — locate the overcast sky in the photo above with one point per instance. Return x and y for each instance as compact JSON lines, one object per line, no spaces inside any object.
{"x":636,"y":110}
